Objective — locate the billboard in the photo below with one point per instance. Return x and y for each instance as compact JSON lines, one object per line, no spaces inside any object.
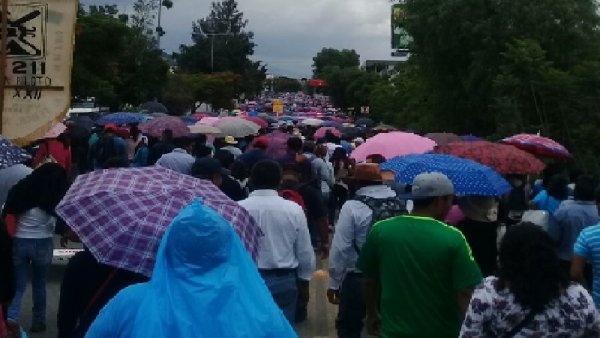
{"x":400,"y":38}
{"x":37,"y":66}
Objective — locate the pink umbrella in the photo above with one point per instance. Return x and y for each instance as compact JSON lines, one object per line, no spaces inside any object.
{"x":277,"y":144}
{"x":55,"y":131}
{"x":320,"y":133}
{"x":209,"y":120}
{"x":200,"y":116}
{"x":156,"y":126}
{"x":393,"y":144}
{"x":538,"y":145}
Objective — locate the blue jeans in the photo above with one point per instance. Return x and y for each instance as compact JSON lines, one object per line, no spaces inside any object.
{"x":38,"y":253}
{"x":284,"y":290}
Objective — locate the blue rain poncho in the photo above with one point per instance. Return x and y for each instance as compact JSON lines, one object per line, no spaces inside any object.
{"x":204,"y":284}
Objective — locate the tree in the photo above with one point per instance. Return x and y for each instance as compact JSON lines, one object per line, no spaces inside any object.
{"x":330,"y":57}
{"x":184,"y":90}
{"x":145,"y":14}
{"x":285,"y":85}
{"x":223,"y":31}
{"x":113,"y":62}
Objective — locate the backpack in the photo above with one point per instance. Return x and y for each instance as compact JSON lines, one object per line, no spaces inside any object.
{"x":294,"y":196}
{"x":382,"y":208}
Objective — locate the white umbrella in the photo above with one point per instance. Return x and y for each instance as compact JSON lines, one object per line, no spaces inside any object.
{"x":237,"y":127}
{"x":312,"y":122}
{"x":204,"y":129}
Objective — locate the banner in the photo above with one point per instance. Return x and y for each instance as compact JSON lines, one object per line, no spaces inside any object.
{"x":278,"y":106}
{"x":37,"y":66}
{"x":400,"y":38}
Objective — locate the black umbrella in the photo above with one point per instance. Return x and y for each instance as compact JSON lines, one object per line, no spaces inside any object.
{"x":365,"y":121}
{"x":154,"y":107}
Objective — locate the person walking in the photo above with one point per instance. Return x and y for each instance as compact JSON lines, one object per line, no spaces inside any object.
{"x":204,"y":284}
{"x":374,"y":201}
{"x":531,"y":295}
{"x":179,"y":159}
{"x":419,"y":272}
{"x":55,"y":150}
{"x":30,"y":212}
{"x":231,"y":146}
{"x":571,"y":218}
{"x":163,"y":146}
{"x":285,"y":252}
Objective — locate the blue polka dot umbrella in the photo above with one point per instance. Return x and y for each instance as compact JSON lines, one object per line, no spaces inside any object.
{"x":469,"y":177}
{"x":11,"y":154}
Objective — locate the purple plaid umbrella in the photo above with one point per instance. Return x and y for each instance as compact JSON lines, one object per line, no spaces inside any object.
{"x":277,"y":144}
{"x":156,"y":126}
{"x":120,"y":215}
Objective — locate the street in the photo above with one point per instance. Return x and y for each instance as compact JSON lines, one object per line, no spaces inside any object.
{"x":320,"y":322}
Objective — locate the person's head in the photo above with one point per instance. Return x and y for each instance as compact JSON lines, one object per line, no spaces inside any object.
{"x":558,"y":187}
{"x":309,"y":147}
{"x":115,"y":162}
{"x":230,"y":141}
{"x":290,"y":179}
{"x":225,"y":157}
{"x":65,"y":139}
{"x":294,"y":144}
{"x":266,"y":175}
{"x":201,"y":151}
{"x":185,"y":143}
{"x":479,"y":208}
{"x":167,"y":135}
{"x":208,"y":169}
{"x":110,"y":130}
{"x":339,"y":154}
{"x":376,"y":158}
{"x":529,"y":266}
{"x":321,"y":151}
{"x":261,"y":143}
{"x":432,"y":195}
{"x":585,"y":188}
{"x":239,"y":170}
{"x":134,"y":131}
{"x":201,"y":139}
{"x":517,"y":181}
{"x":367,"y":174}
{"x":331,"y":138}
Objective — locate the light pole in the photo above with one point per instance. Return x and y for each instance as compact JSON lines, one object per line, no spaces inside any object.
{"x":210,"y":28}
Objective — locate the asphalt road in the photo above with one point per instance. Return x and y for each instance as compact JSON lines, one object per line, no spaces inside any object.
{"x":320,"y":322}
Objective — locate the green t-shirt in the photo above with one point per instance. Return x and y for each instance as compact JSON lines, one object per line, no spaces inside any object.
{"x":421,"y":264}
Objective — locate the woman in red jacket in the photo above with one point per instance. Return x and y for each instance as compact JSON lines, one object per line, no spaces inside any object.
{"x":57,"y":150}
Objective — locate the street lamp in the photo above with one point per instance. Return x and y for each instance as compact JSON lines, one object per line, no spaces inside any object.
{"x":210,"y":28}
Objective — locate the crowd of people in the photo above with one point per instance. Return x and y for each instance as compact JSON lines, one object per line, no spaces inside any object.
{"x":404,"y":260}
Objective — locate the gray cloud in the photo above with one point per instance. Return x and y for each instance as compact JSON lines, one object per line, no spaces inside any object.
{"x":289,"y":33}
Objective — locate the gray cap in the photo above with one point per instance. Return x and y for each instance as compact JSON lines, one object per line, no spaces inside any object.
{"x":432,"y":184}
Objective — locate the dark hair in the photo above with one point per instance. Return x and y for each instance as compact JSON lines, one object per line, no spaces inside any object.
{"x":201,"y":139}
{"x":585,"y":188}
{"x":202,"y":150}
{"x":167,"y":135}
{"x":529,"y":267}
{"x":339,"y":153}
{"x":225,"y":157}
{"x":115,"y":162}
{"x":423,"y":202}
{"x":558,"y":187}
{"x":294,"y":144}
{"x":309,"y":147}
{"x":266,"y":175}
{"x":43,"y":188}
{"x":239,"y":171}
{"x":183,"y":142}
{"x":134,"y":132}
{"x":376,"y":158}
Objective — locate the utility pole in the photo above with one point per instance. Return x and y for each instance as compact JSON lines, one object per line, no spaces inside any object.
{"x":210,"y":29}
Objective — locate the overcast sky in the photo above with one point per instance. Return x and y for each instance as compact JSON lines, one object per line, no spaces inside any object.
{"x":290,"y":32}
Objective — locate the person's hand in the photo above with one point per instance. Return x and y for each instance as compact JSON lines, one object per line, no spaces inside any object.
{"x":374,"y":325}
{"x":333,"y":296}
{"x":304,"y":291}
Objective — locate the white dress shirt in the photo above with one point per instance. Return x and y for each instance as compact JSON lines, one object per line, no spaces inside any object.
{"x":286,"y":241}
{"x":352,"y":229}
{"x":178,"y":160}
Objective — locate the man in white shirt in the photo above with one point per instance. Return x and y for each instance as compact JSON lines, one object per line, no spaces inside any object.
{"x":286,"y":254}
{"x":374,"y":201}
{"x":179,"y":159}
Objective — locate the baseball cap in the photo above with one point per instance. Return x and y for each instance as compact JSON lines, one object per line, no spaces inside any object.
{"x":431,"y":184}
{"x":261,"y":142}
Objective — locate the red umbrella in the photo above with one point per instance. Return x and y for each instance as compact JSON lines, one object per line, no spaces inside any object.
{"x":262,"y":123}
{"x":538,"y":145}
{"x":503,"y":158}
{"x":200,"y":116}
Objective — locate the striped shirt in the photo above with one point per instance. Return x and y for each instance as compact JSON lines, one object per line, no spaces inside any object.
{"x":588,"y":247}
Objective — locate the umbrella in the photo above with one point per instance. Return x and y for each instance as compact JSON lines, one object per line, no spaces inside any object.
{"x":443,"y":138}
{"x":154,"y":107}
{"x":55,"y":131}
{"x":120,"y":119}
{"x":312,"y":122}
{"x":351,"y":132}
{"x":204,"y":129}
{"x":237,"y":127}
{"x":261,"y":122}
{"x":393,"y":144}
{"x":384,"y":127}
{"x":189,"y":120}
{"x":469,"y":177}
{"x":538,"y":145}
{"x":11,"y":154}
{"x":267,"y":117}
{"x":81,"y":127}
{"x":200,"y":116}
{"x":503,"y":158}
{"x":331,"y":124}
{"x":470,"y":138}
{"x":121,"y":214}
{"x":277,"y":147}
{"x":320,"y":133}
{"x":156,"y":126}
{"x":364,"y":121}
{"x":209,"y":120}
